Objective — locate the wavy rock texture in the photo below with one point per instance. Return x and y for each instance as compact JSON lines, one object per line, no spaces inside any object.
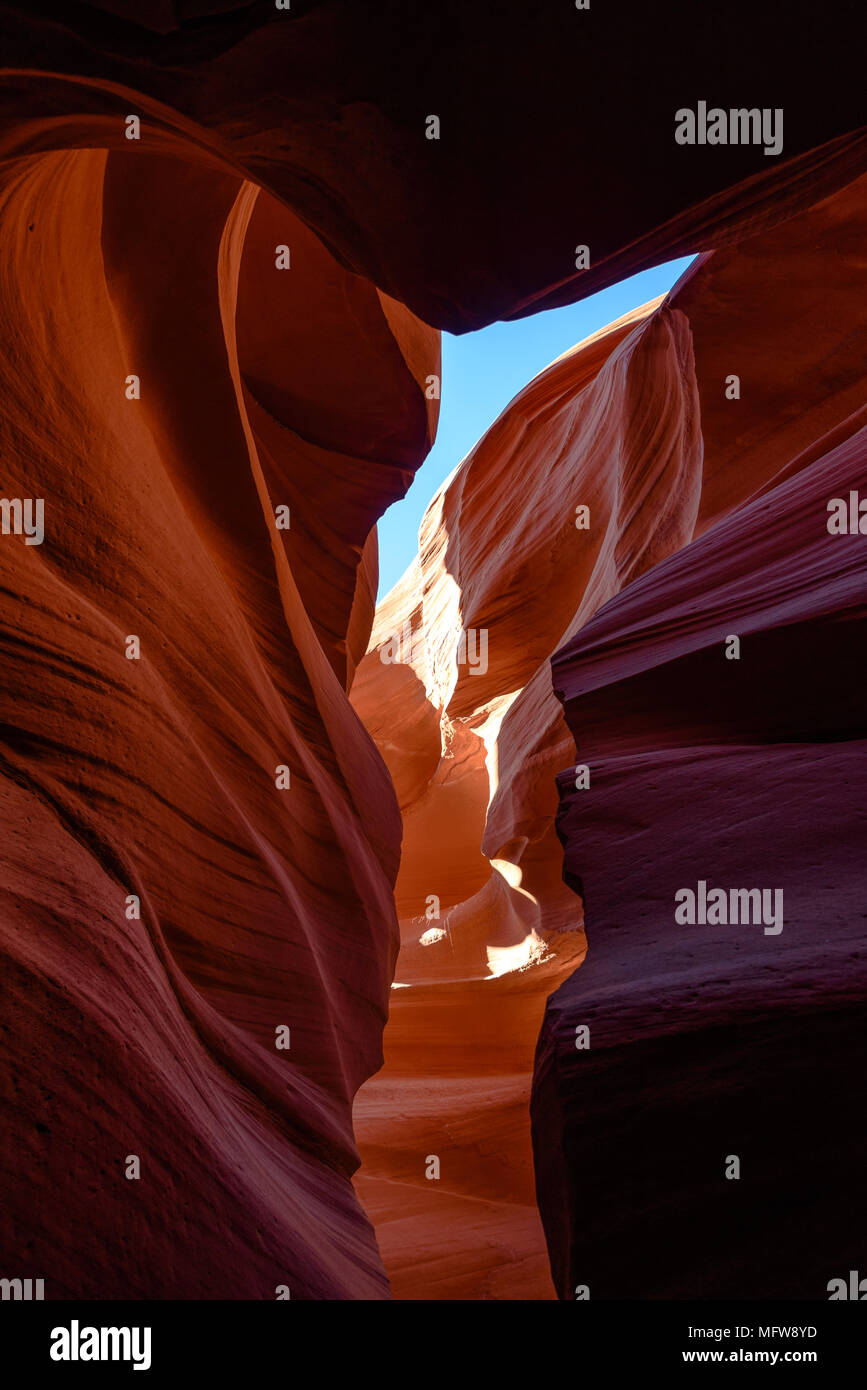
{"x":259,"y":907}
{"x":474,"y":755}
{"x":633,"y":425}
{"x":710,"y":1041}
{"x":262,"y":907}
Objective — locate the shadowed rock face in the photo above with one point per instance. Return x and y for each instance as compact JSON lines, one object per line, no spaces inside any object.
{"x":712,"y":1041}
{"x":167,"y":907}
{"x":557,"y":126}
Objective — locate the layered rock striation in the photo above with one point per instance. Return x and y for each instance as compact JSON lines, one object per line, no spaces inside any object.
{"x":697,"y":1141}
{"x":172,"y":899}
{"x":635,"y":465}
{"x":230,"y":236}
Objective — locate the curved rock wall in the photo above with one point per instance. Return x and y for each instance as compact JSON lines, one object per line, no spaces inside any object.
{"x":725,"y":1040}
{"x":201,"y":844}
{"x":259,"y":907}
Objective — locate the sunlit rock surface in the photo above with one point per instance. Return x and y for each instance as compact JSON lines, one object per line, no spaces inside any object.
{"x":474,"y":738}
{"x":616,"y":426}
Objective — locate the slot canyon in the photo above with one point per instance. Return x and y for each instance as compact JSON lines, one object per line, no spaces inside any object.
{"x":471,"y":854}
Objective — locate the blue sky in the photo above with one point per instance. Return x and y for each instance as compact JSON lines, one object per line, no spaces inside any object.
{"x":481,"y":373}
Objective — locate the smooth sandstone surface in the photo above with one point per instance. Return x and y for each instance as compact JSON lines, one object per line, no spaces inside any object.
{"x":259,"y":907}
{"x":709,"y":1042}
{"x":633,"y":425}
{"x":262,"y":908}
{"x":712,"y":1041}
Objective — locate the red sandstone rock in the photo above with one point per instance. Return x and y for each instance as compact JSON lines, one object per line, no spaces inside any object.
{"x":156,"y":1036}
{"x":720,"y":1040}
{"x":156,"y":777}
{"x":479,"y":834}
{"x":715,"y":1040}
{"x":616,"y":425}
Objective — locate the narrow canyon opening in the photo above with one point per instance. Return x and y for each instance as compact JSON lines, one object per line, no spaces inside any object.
{"x":456,"y":691}
{"x":624,"y":666}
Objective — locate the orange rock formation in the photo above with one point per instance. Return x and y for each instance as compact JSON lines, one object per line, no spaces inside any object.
{"x":167,"y":904}
{"x":635,"y":425}
{"x":155,"y":1036}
